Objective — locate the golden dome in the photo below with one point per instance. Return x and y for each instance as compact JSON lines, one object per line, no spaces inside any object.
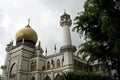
{"x":26,"y":33}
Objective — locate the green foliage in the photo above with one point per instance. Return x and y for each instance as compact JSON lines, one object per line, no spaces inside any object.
{"x":84,"y":76}
{"x":70,"y":76}
{"x":100,"y":26}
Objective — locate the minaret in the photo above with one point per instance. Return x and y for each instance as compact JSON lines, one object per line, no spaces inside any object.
{"x":66,"y":22}
{"x":67,"y":49}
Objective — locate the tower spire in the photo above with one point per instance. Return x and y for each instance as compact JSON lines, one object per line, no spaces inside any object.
{"x":46,"y":52}
{"x":55,"y":48}
{"x":39,"y":43}
{"x":64,"y":11}
{"x":28,"y":21}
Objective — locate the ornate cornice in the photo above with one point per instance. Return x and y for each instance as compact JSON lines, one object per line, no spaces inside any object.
{"x":68,"y":48}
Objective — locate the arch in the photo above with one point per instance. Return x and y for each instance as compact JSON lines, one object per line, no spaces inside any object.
{"x":53,"y":63}
{"x":33,"y":65}
{"x":58,"y":63}
{"x":47,"y":78}
{"x":58,"y":77}
{"x":48,"y":65}
{"x":33,"y":78}
{"x":13,"y":71}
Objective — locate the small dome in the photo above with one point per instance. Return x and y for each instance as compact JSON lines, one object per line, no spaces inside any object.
{"x":27,"y":33}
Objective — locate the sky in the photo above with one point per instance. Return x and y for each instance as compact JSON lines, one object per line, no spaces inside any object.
{"x":44,"y":19}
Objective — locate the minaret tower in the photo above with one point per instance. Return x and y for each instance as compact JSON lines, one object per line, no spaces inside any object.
{"x":66,"y":22}
{"x":67,"y":49}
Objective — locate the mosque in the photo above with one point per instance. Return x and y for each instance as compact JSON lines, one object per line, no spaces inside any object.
{"x":25,"y":60}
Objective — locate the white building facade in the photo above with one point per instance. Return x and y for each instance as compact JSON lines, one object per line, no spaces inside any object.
{"x":25,"y":61}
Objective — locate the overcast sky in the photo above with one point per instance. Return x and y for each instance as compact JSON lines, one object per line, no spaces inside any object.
{"x":44,"y":19}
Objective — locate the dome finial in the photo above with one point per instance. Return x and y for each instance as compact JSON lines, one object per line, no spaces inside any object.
{"x":64,"y":11}
{"x":28,"y":21}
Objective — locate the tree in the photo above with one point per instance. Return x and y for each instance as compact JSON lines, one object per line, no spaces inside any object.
{"x":69,"y":75}
{"x":99,"y":23}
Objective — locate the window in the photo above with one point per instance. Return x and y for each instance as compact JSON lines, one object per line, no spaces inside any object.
{"x":97,"y":67}
{"x":58,"y":63}
{"x":43,"y":68}
{"x":33,"y":66}
{"x":13,"y":71}
{"x":53,"y":63}
{"x":48,"y":65}
{"x":91,"y":68}
{"x":33,"y":78}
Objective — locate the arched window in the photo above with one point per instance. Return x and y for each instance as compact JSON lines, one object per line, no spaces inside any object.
{"x":33,"y":78}
{"x":53,"y":63}
{"x":48,"y":65}
{"x":13,"y":71}
{"x":33,"y":65}
{"x":47,"y":78}
{"x":58,"y":63}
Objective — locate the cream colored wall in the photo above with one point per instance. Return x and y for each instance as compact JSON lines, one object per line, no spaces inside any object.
{"x":24,"y":77}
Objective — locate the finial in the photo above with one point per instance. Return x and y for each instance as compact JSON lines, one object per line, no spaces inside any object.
{"x":28,"y":21}
{"x":64,"y":11}
{"x":11,"y":42}
{"x":55,"y":47}
{"x":39,"y":43}
{"x":46,"y":51}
